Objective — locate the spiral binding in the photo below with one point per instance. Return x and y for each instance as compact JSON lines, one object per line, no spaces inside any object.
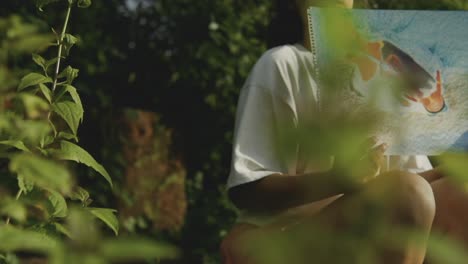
{"x":313,"y":49}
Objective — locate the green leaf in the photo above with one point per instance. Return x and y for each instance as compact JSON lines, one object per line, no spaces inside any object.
{"x":455,"y":166}
{"x":33,"y":79}
{"x":44,"y":173}
{"x":107,"y":216}
{"x":74,"y":94}
{"x":137,"y":249}
{"x":15,"y":144}
{"x":69,"y":73}
{"x":70,"y":112}
{"x":68,"y":42}
{"x":84,"y":3}
{"x":39,"y":60}
{"x":41,"y":3}
{"x":46,"y":92}
{"x":50,"y":63}
{"x":24,"y":185}
{"x":59,"y":205}
{"x":70,"y":151}
{"x":80,"y":194}
{"x":24,"y":240}
{"x":65,"y":135}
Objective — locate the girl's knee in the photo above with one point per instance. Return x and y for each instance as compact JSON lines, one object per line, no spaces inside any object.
{"x":415,"y":198}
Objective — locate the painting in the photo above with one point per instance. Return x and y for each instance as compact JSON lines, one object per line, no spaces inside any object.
{"x":411,"y":67}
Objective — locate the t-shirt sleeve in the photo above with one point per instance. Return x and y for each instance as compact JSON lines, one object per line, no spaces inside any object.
{"x":266,"y":113}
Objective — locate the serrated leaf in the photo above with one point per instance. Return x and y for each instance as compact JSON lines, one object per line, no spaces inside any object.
{"x":107,"y":216}
{"x":46,"y":92}
{"x":50,"y":63}
{"x":84,"y":3}
{"x":68,"y":42}
{"x":65,"y":135}
{"x":69,"y":73}
{"x":42,"y":172}
{"x":137,"y":249}
{"x":70,"y":151}
{"x":59,"y":205}
{"x":15,"y":144}
{"x":39,"y":60}
{"x":70,"y":112}
{"x":33,"y":79}
{"x":74,"y":94}
{"x":80,"y":194}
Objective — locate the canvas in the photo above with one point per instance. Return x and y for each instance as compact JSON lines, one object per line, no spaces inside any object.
{"x":408,"y":67}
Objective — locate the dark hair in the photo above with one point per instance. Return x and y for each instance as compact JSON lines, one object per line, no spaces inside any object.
{"x":286,"y":25}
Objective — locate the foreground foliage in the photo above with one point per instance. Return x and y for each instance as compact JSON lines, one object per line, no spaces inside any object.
{"x":51,"y":216}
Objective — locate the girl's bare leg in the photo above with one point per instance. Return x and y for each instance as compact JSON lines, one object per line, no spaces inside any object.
{"x":399,"y":198}
{"x":452,"y":211}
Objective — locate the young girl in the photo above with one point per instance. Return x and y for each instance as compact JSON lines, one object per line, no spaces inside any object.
{"x":280,"y":195}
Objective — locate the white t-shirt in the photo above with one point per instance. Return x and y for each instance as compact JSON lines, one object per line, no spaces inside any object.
{"x":279,"y":94}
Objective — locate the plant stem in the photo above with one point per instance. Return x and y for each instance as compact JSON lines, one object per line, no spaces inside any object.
{"x":59,"y":55}
{"x":60,"y":48}
{"x":18,"y":195}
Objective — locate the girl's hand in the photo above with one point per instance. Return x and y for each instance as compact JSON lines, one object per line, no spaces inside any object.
{"x":371,"y":163}
{"x":362,"y":167}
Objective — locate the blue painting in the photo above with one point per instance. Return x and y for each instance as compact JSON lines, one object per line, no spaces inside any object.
{"x":411,"y":66}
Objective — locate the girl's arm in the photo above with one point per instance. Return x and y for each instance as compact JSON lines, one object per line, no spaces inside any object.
{"x":279,"y":192}
{"x":433,"y":175}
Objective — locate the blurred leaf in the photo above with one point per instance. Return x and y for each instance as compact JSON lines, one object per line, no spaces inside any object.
{"x":9,"y":258}
{"x":84,"y":3}
{"x":33,"y":79}
{"x":137,"y":249}
{"x":15,"y":144}
{"x":33,"y":105}
{"x":59,"y":205}
{"x":107,"y":216}
{"x":25,"y":185}
{"x":456,"y":165}
{"x":62,"y":229}
{"x":442,"y":249}
{"x":71,"y":112}
{"x":43,"y":172}
{"x":14,"y":209}
{"x":32,"y":132}
{"x":70,"y":151}
{"x":25,"y":240}
{"x":33,"y":43}
{"x":82,"y":228}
